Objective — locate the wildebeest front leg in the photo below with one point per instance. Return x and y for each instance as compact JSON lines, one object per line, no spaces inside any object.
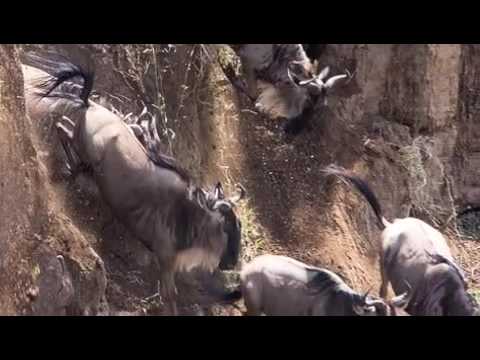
{"x":168,"y":292}
{"x":295,"y":126}
{"x":236,"y":81}
{"x":384,"y":278}
{"x":252,"y":300}
{"x":66,"y":137}
{"x":74,"y":164}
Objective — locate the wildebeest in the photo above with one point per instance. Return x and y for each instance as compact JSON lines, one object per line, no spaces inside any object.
{"x":184,"y":225}
{"x":415,"y":253}
{"x":279,"y":285}
{"x":283,"y":82}
{"x":50,"y":109}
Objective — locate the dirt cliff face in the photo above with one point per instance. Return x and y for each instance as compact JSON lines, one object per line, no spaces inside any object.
{"x":406,"y":122}
{"x":34,"y":229}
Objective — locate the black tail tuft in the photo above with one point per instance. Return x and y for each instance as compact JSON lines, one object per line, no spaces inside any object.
{"x":362,"y":186}
{"x":61,"y":70}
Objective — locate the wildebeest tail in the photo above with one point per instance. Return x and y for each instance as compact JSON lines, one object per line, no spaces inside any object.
{"x":364,"y":189}
{"x":61,"y":70}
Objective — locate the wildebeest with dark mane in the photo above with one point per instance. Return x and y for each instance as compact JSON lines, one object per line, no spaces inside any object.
{"x":36,"y":69}
{"x":282,"y":286}
{"x":184,"y":225}
{"x":416,"y":254}
{"x":283,"y":82}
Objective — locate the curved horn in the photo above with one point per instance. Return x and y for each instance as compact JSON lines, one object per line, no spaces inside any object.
{"x":290,"y":76}
{"x":218,"y":191}
{"x":222,"y":206}
{"x":373,"y":302}
{"x":143,"y":113}
{"x":370,"y":302}
{"x":402,"y":300}
{"x":365,"y":295}
{"x":323,"y":74}
{"x":293,"y":78}
{"x":333,"y":80}
{"x":306,"y":82}
{"x":61,"y":260}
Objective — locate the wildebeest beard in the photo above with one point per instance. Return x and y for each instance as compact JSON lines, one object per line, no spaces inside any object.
{"x":303,"y":121}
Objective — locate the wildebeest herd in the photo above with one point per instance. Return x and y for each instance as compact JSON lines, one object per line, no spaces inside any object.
{"x":187,"y":226}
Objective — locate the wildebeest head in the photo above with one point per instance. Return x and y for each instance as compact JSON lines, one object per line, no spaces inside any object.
{"x":447,"y":289}
{"x":315,"y":84}
{"x":457,"y":301}
{"x":444,"y":293}
{"x":373,"y":306}
{"x":216,"y":202}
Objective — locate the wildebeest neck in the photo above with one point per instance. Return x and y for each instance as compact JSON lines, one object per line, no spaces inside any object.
{"x":200,"y":236}
{"x":441,"y":293}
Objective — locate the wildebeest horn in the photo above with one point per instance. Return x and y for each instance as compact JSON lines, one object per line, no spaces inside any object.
{"x":402,"y":300}
{"x":365,"y":295}
{"x":201,"y":197}
{"x":294,"y":79}
{"x":323,"y":74}
{"x":61,"y":260}
{"x":218,"y":191}
{"x":222,"y":206}
{"x":289,"y":74}
{"x":374,"y":302}
{"x":239,"y":195}
{"x":371,"y":302}
{"x":144,"y":112}
{"x":333,"y":80}
{"x":306,"y":82}
{"x":350,"y":75}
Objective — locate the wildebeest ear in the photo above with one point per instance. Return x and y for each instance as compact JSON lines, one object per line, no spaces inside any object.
{"x":324,"y":73}
{"x":218,"y":191}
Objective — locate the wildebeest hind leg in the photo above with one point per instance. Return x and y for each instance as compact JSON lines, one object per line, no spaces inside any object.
{"x":168,"y":292}
{"x":66,"y":136}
